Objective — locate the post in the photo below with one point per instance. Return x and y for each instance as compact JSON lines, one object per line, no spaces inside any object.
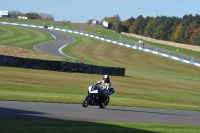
{"x":119,"y":38}
{"x":81,"y":59}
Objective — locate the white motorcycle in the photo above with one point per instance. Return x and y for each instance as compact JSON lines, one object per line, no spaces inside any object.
{"x":95,"y":97}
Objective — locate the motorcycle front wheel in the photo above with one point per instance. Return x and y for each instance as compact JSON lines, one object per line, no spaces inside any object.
{"x":86,"y":101}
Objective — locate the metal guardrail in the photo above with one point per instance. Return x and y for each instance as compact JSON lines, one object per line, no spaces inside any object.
{"x":151,"y":47}
{"x":173,"y":53}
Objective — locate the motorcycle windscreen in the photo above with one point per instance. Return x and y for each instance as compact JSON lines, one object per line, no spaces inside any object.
{"x":94,"y":91}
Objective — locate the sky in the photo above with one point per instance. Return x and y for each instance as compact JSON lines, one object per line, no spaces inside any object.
{"x":80,"y":11}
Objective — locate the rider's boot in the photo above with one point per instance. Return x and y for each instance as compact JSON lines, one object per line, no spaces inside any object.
{"x":105,"y":96}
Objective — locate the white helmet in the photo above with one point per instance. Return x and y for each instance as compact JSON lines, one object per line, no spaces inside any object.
{"x":105,"y":76}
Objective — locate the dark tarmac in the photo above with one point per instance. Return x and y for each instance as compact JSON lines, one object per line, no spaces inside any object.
{"x":36,"y":110}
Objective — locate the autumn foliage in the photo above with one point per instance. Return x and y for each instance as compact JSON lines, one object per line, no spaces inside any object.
{"x":192,"y":37}
{"x":182,"y":30}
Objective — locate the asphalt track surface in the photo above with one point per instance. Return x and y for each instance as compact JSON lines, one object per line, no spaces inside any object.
{"x":54,"y":47}
{"x":37,"y":110}
{"x":57,"y":111}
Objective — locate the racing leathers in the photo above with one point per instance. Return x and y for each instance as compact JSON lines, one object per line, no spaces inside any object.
{"x":105,"y":86}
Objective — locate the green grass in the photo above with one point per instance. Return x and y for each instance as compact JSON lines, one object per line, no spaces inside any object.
{"x":25,"y":38}
{"x":58,"y":126}
{"x":22,"y":37}
{"x":146,"y":81}
{"x":38,"y":22}
{"x":150,"y":82}
{"x":134,"y":91}
{"x":181,"y":50}
{"x":98,"y":30}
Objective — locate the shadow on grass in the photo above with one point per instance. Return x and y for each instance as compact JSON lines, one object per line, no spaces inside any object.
{"x":21,"y":121}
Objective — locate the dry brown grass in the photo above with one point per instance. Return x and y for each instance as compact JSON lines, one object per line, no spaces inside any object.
{"x":180,"y":45}
{"x":25,"y":53}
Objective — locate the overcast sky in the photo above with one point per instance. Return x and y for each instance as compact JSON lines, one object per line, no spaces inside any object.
{"x":82,"y":10}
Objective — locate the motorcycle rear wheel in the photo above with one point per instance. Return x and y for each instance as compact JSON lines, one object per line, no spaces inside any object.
{"x":102,"y":105}
{"x":86,"y":101}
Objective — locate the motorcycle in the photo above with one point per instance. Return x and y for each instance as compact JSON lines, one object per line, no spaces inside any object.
{"x":95,"y":97}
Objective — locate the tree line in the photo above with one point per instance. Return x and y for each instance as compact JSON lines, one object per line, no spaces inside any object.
{"x":32,"y":15}
{"x":181,"y":30}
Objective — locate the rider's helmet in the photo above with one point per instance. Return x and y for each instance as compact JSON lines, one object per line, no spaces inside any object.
{"x":106,"y":78}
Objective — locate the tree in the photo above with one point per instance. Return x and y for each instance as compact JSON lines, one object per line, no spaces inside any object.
{"x":15,"y":13}
{"x":138,"y":26}
{"x":162,"y":31}
{"x":47,"y":17}
{"x":131,"y":20}
{"x":192,"y":29}
{"x":33,"y":15}
{"x":174,"y":29}
{"x":126,"y":24}
{"x":148,"y":30}
{"x":90,"y":21}
{"x":189,"y":24}
{"x":193,"y":36}
{"x":176,"y":33}
{"x":134,"y":27}
{"x":175,"y":21}
{"x":197,"y":40}
{"x":114,"y":23}
{"x":118,"y":27}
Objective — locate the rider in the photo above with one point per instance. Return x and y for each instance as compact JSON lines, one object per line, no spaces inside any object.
{"x":105,"y":85}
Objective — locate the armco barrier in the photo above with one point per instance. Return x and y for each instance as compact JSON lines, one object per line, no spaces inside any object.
{"x":12,"y":61}
{"x":111,"y":41}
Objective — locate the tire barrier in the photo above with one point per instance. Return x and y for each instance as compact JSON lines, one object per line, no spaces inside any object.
{"x":20,"y":62}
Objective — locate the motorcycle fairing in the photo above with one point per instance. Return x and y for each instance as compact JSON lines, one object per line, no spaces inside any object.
{"x":92,"y":90}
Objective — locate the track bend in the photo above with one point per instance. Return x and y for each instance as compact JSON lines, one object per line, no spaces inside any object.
{"x":55,"y":47}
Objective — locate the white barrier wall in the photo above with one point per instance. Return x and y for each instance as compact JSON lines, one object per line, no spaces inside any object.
{"x":22,"y":17}
{"x":111,"y":41}
{"x":3,"y":12}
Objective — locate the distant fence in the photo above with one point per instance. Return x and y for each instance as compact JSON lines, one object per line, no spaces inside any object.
{"x":178,"y":53}
{"x":12,"y":61}
{"x":129,"y":44}
{"x":178,"y":45}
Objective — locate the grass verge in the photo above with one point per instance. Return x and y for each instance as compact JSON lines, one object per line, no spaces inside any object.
{"x":22,"y":37}
{"x":151,"y":81}
{"x":59,"y":126}
{"x":63,"y":87}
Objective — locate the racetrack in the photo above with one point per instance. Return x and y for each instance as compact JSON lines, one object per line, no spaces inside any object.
{"x":54,"y":47}
{"x":29,"y":110}
{"x":36,"y":110}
